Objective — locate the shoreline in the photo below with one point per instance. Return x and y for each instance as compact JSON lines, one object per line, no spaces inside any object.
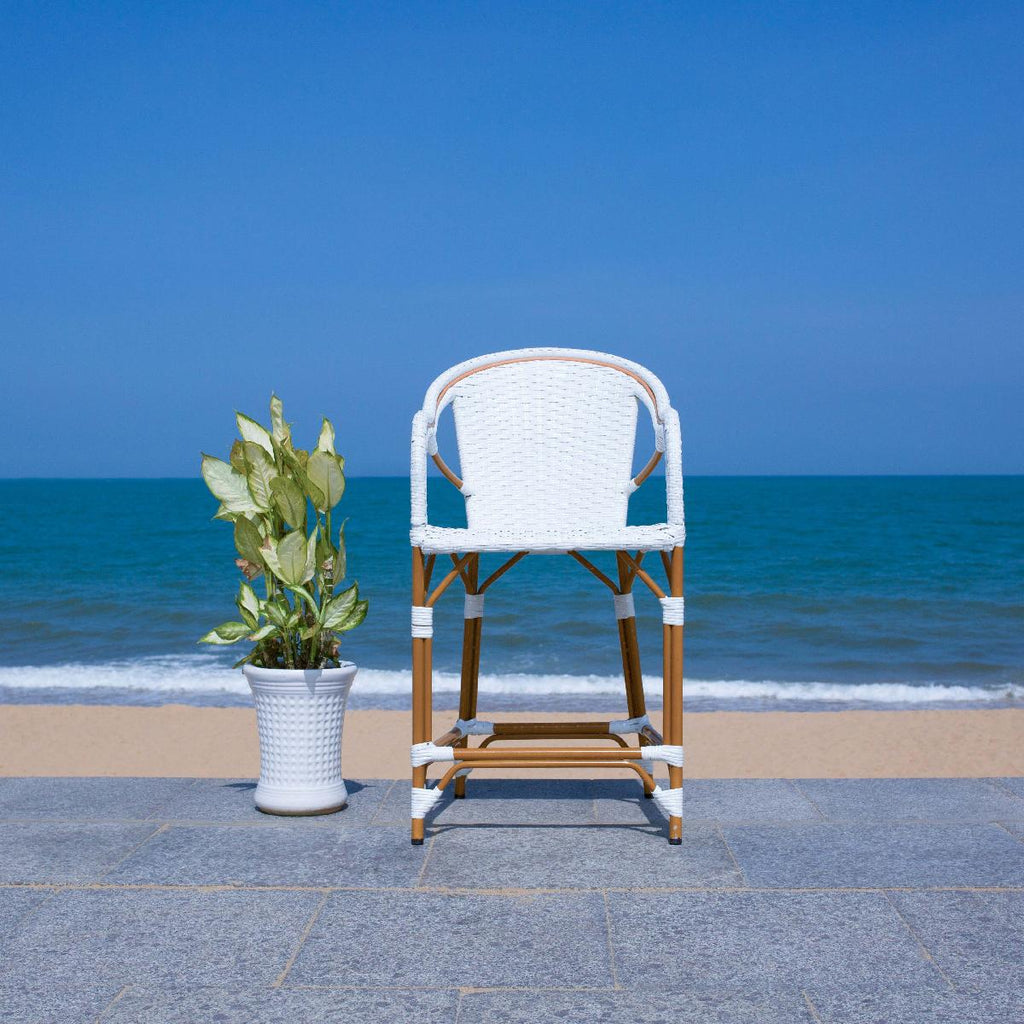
{"x":221,"y":742}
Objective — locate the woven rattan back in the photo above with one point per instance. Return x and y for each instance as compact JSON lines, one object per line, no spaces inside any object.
{"x":546,"y":436}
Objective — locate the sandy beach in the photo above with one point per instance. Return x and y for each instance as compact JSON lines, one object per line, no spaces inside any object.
{"x":179,"y":740}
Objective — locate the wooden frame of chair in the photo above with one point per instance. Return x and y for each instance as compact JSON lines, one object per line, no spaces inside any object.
{"x":623,"y":755}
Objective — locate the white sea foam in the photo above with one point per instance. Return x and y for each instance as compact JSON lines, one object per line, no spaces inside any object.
{"x":206,"y":674}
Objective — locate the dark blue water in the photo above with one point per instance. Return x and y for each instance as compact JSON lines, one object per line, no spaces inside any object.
{"x":835,"y":590}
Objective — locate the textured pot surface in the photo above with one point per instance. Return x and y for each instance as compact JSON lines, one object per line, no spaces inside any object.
{"x":300,"y":714}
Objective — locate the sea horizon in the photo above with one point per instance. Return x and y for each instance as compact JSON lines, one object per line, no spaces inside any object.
{"x":803,"y":592}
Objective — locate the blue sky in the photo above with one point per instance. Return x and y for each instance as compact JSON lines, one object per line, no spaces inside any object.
{"x":806,"y":218}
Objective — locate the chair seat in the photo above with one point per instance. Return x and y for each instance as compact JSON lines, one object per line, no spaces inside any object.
{"x":439,"y":540}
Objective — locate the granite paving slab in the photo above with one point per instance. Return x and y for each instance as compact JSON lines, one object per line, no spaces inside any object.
{"x":231,"y":800}
{"x":977,"y":938}
{"x":15,"y":905}
{"x":237,"y":855}
{"x":167,"y":938}
{"x":52,"y":1000}
{"x":1015,"y":828}
{"x":908,"y":1005}
{"x":1012,"y":785}
{"x":779,"y":940}
{"x":633,"y":1007}
{"x":577,"y":857}
{"x":721,"y":800}
{"x":502,"y":801}
{"x":246,"y":1005}
{"x":961,"y":800}
{"x":82,"y":799}
{"x":876,"y":855}
{"x":457,"y":939}
{"x":44,"y":851}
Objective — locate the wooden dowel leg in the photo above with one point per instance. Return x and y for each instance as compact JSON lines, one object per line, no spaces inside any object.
{"x":630,"y":648}
{"x":470,"y":667}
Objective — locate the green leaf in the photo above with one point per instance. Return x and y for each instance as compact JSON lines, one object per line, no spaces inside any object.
{"x":304,"y":595}
{"x":325,"y":443}
{"x":237,"y":457}
{"x":310,"y":568}
{"x":263,"y":632}
{"x":337,"y":610}
{"x":324,"y":554}
{"x":277,"y":611}
{"x":290,"y":502}
{"x":224,"y":514}
{"x":253,"y":432}
{"x":341,"y":558}
{"x":226,"y":633}
{"x":227,"y":485}
{"x":325,"y":473}
{"x":248,"y":605}
{"x":291,"y":560}
{"x":355,"y":618}
{"x":280,"y":430}
{"x":248,"y":540}
{"x":260,"y":471}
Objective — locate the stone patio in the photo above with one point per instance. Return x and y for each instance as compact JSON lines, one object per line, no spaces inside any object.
{"x":829,"y":901}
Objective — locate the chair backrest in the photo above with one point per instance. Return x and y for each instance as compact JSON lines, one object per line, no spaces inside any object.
{"x":546,"y":437}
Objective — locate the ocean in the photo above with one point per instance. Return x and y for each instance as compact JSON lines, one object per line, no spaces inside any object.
{"x":801,"y":592}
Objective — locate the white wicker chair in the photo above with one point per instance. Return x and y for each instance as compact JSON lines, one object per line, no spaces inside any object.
{"x":546,"y":439}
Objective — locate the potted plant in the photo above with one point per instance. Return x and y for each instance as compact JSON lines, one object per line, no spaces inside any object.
{"x":281,"y":500}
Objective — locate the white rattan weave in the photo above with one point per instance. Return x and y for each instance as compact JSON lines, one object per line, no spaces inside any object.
{"x":545,"y":439}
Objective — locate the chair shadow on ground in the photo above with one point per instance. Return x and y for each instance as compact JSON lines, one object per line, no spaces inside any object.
{"x":496,"y":792}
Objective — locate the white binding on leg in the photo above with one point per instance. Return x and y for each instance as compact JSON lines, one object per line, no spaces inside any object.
{"x":669,"y":801}
{"x":423,"y":800}
{"x":474,"y":727}
{"x":422,"y":621}
{"x":622,"y":726}
{"x":474,"y":607}
{"x":672,"y":609}
{"x":624,"y":606}
{"x":664,"y":752}
{"x":427,"y":753}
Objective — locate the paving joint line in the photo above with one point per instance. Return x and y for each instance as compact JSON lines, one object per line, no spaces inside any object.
{"x":812,"y":1009}
{"x":56,"y":887}
{"x":279,"y":980}
{"x":608,"y":937}
{"x":117,"y":998}
{"x":468,"y":990}
{"x":794,"y":784}
{"x":33,"y":910}
{"x":920,"y":942}
{"x":426,"y":860}
{"x":133,"y":850}
{"x":1002,"y":825}
{"x":1000,"y":787}
{"x":187,"y":789}
{"x":732,"y":856}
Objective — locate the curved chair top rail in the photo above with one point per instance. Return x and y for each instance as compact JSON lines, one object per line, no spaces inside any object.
{"x":437,"y":396}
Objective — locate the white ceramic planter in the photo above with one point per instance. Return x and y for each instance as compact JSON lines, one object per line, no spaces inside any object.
{"x":300,"y":714}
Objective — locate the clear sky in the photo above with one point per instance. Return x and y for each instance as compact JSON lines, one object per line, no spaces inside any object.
{"x":805,"y":217}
